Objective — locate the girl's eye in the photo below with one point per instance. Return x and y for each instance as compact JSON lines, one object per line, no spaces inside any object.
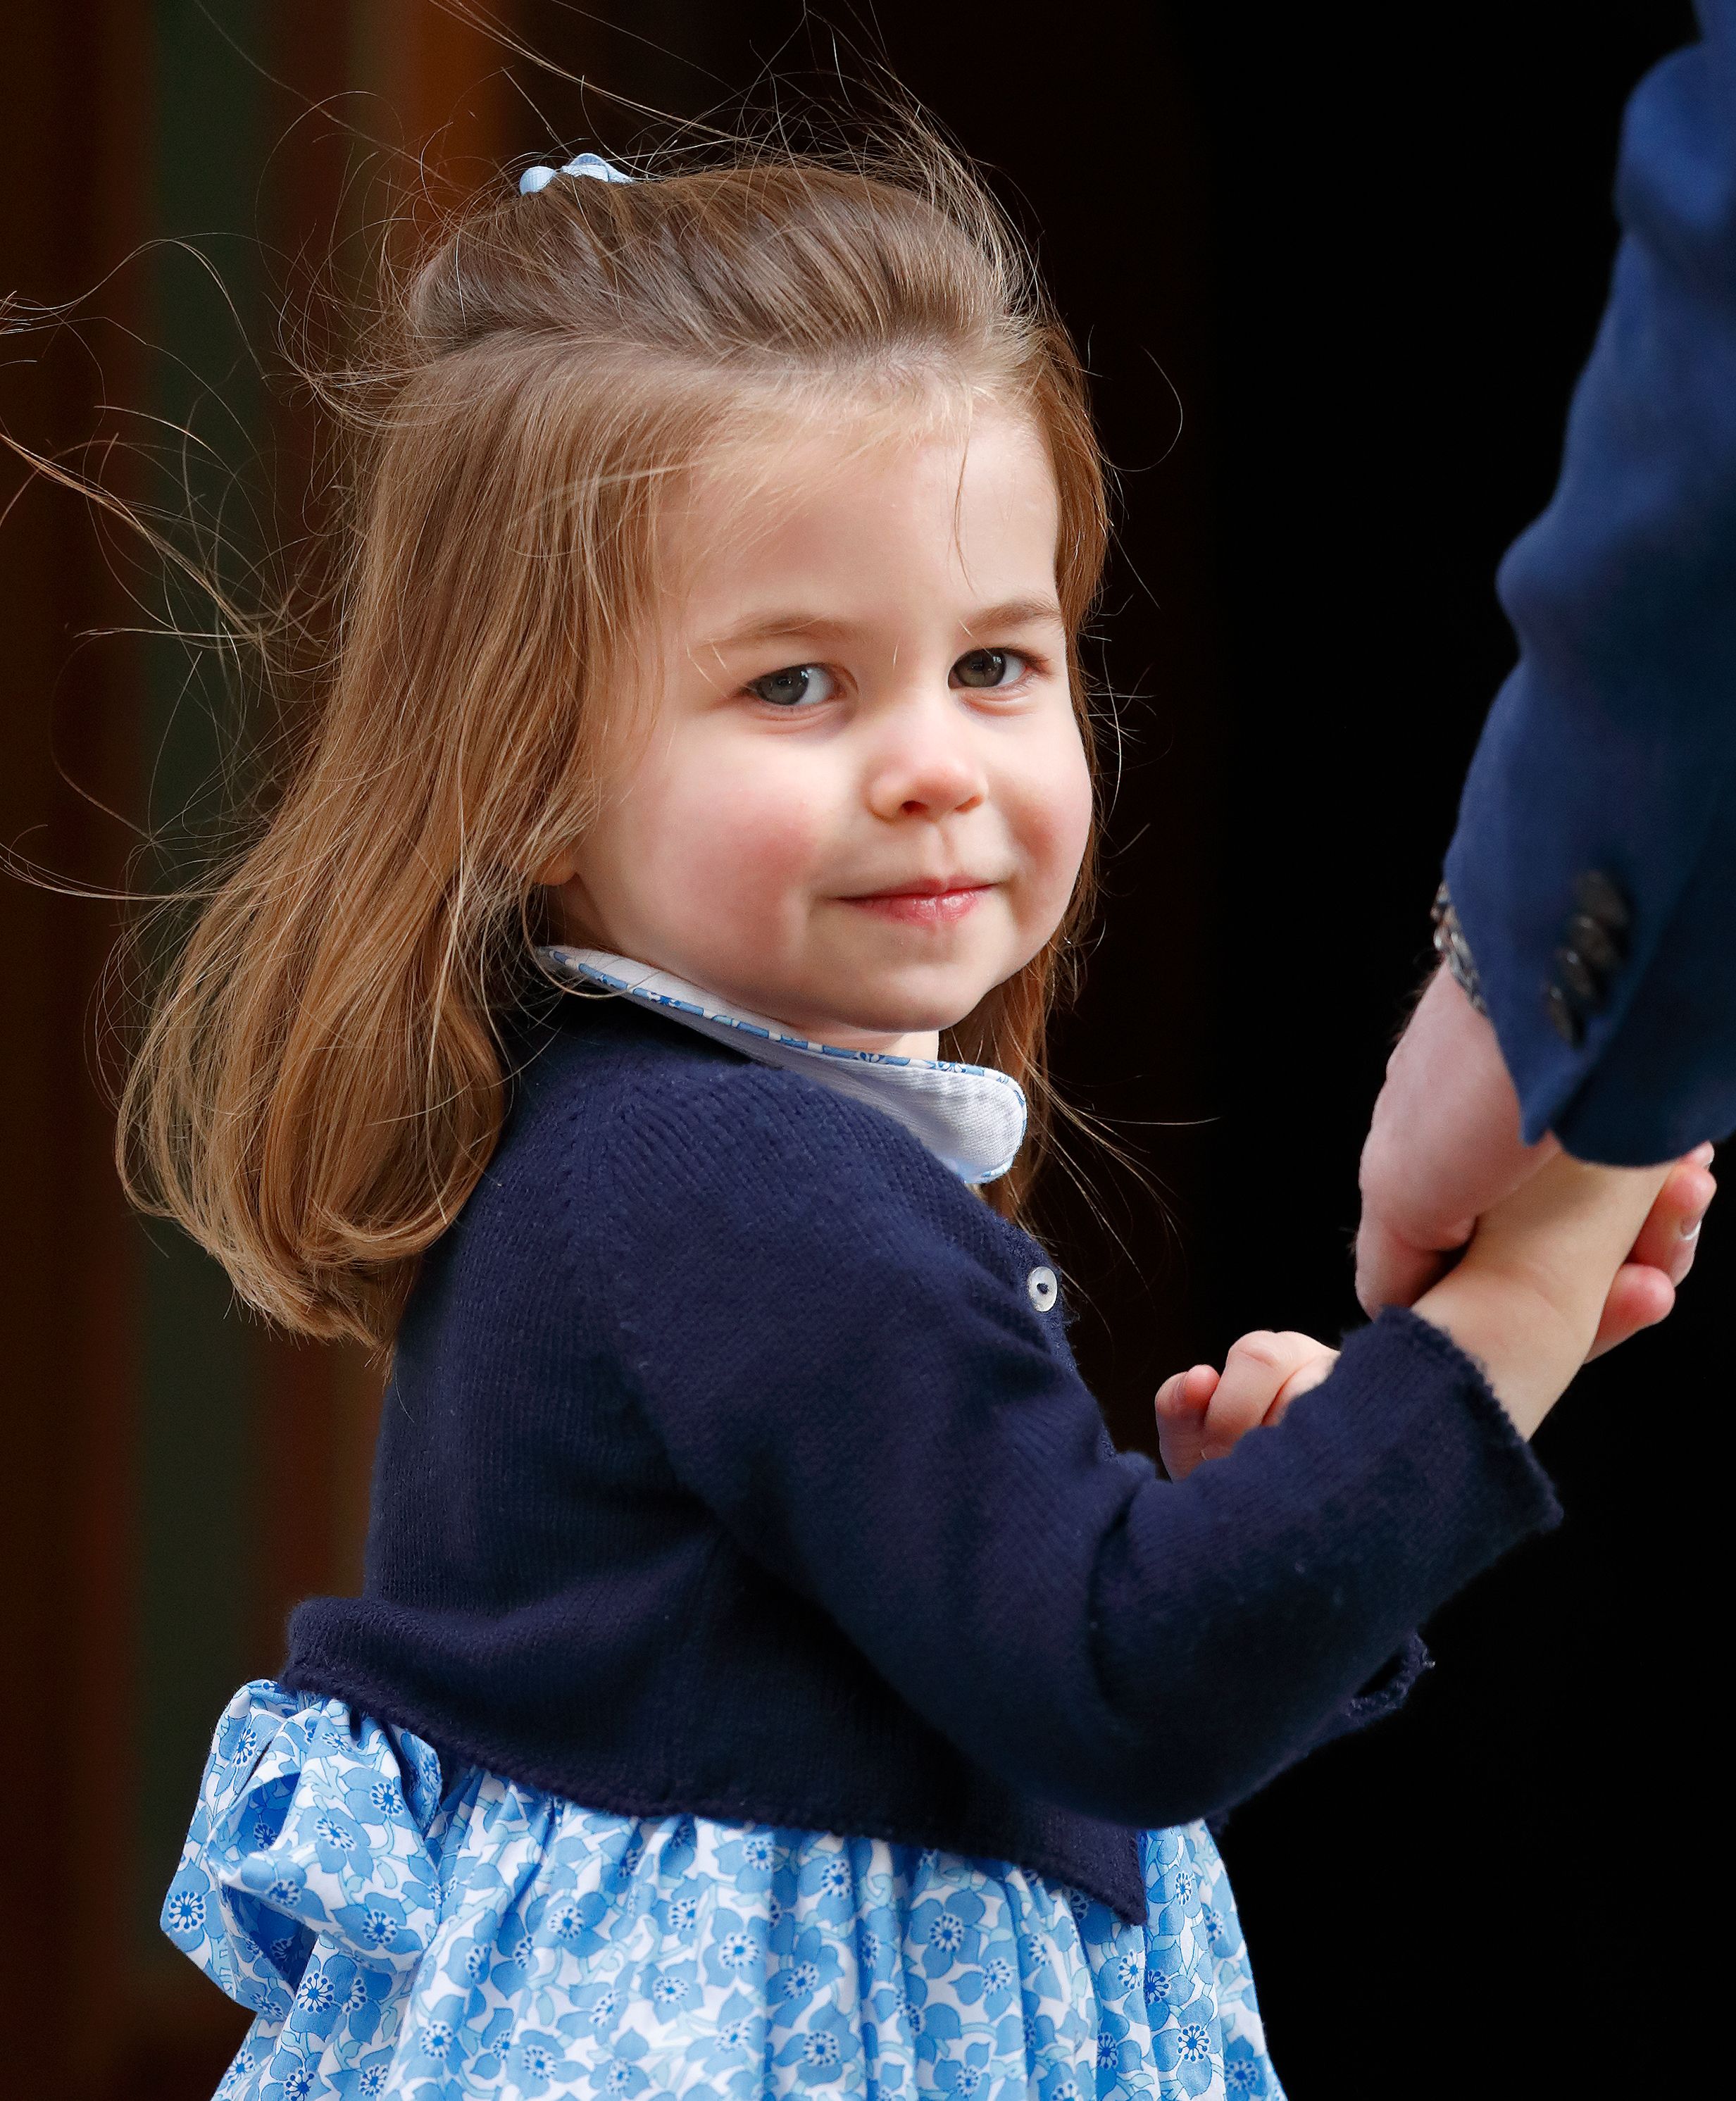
{"x":794,"y":682}
{"x":990,"y":667}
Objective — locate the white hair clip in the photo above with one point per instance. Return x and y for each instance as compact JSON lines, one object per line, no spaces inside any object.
{"x":587,"y":164}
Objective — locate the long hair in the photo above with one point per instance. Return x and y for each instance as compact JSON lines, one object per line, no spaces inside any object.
{"x":322,"y":1078}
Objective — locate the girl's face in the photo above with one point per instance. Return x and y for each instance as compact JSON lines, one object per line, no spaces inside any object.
{"x":863,"y":798}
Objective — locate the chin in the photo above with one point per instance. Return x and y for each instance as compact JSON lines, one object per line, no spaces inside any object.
{"x":898,"y":1009}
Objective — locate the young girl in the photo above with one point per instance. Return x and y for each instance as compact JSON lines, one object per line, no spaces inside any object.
{"x":768,"y":1678}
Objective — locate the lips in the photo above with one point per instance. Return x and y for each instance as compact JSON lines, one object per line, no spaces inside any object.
{"x":924,"y":885}
{"x":940,"y":902}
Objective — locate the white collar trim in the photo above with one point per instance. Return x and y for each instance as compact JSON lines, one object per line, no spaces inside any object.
{"x":972,"y":1117}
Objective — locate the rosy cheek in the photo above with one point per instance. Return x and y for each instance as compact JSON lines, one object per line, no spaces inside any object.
{"x":1077,"y":822}
{"x":1054,"y":821}
{"x":743,"y":837}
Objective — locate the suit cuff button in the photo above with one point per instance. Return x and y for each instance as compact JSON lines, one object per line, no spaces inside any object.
{"x":1565,"y":1018}
{"x":1591,"y":938}
{"x":1578,"y":979}
{"x":1599,"y":898}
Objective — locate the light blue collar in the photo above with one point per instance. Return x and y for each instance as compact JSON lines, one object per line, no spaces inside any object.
{"x":970,"y":1117}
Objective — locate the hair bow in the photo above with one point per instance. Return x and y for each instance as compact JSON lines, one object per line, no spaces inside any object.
{"x":587,"y":164}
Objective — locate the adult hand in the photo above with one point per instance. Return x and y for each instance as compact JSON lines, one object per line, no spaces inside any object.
{"x":1444,"y":1148}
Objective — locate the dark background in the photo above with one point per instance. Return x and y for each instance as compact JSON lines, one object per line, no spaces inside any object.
{"x":1335,"y":272}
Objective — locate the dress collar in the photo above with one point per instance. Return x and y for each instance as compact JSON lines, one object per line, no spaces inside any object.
{"x":970,"y":1117}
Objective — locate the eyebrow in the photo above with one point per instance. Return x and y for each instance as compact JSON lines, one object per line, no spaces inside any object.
{"x":817,"y":627}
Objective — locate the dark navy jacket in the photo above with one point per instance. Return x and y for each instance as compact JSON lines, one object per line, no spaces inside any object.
{"x":1612,"y":748}
{"x":734,"y":1463}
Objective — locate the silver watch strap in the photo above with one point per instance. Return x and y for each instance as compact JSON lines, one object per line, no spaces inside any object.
{"x":1454,"y":950}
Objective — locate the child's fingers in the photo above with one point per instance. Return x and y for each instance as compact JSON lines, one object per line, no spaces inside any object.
{"x":1255,"y":1373}
{"x":1311,"y":1375}
{"x":1183,"y":1397}
{"x":1181,"y":1403}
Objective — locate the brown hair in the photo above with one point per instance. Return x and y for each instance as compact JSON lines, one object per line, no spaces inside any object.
{"x":321,"y":1079}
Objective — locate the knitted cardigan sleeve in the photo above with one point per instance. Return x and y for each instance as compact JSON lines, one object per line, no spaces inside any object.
{"x":850,"y":1375}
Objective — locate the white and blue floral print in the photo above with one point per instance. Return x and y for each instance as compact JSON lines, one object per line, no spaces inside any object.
{"x":402,"y":1933}
{"x":413,"y":1936}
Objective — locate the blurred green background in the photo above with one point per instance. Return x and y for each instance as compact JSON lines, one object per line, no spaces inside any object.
{"x":176,"y":173}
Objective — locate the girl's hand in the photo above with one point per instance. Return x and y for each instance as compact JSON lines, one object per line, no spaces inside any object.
{"x":1202,"y":1413}
{"x":1574,"y":1261}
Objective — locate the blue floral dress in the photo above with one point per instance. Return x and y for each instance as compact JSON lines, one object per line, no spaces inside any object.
{"x":402,"y":1932}
{"x":399,"y":1931}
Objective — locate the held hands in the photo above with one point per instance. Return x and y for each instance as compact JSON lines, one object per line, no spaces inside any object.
{"x":1573,"y":1261}
{"x":1444,"y":1148}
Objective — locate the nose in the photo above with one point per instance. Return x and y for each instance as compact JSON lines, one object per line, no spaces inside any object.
{"x":925,"y":761}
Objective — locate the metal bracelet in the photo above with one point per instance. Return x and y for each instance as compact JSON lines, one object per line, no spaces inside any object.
{"x":1454,"y":950}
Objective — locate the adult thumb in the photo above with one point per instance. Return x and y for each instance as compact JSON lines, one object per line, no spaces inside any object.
{"x":1389,"y":1270}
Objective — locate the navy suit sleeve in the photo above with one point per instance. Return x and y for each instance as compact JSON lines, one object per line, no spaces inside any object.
{"x":859,"y":1387}
{"x":1613,"y":746}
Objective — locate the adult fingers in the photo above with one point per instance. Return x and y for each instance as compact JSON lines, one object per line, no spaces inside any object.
{"x":1389,"y":1271}
{"x":1444,"y":1145}
{"x":1445,"y":1138}
{"x":1640,"y":1297}
{"x":1670,"y":1235}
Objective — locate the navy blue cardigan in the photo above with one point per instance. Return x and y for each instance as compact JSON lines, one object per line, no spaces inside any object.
{"x":730,"y":1466}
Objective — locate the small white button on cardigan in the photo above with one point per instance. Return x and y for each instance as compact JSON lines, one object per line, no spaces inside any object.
{"x":1043,"y":1286}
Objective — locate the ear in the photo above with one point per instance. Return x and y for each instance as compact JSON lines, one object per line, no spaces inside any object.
{"x":554,"y":873}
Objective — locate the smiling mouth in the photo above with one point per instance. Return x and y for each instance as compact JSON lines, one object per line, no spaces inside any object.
{"x":922,"y":908}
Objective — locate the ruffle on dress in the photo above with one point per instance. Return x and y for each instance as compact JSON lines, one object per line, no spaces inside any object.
{"x":396,"y":1939}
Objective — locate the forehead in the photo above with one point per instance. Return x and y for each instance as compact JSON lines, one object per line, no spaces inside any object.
{"x":857,"y":516}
